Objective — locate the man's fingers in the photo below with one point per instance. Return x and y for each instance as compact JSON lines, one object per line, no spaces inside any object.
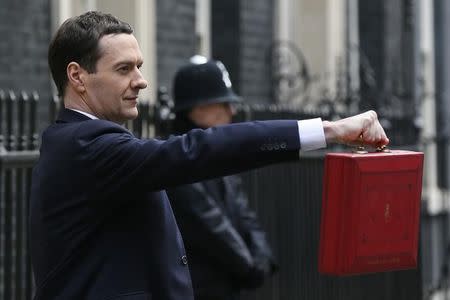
{"x":374,"y":134}
{"x":377,"y":139}
{"x":359,"y":130}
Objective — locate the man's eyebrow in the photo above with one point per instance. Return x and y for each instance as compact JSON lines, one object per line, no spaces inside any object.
{"x":128,"y":62}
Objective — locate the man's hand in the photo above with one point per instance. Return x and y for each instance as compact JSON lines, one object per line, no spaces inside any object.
{"x":362,"y":129}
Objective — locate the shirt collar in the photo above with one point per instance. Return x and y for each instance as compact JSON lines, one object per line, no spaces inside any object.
{"x":84,"y":113}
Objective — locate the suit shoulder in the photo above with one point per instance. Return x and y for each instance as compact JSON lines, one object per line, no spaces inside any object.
{"x":92,"y":129}
{"x":65,"y":134}
{"x":102,"y":125}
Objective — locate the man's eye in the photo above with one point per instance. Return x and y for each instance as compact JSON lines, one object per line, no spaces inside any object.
{"x":124,"y":69}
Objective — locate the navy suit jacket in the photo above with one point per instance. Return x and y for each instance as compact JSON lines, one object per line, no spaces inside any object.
{"x":101,"y":226}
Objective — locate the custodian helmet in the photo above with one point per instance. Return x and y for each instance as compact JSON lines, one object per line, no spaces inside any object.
{"x":202,"y":81}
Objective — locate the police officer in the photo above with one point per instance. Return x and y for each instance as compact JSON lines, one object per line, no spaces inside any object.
{"x":226,"y":247}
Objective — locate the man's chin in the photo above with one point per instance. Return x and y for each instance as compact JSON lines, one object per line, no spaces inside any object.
{"x":132,"y":114}
{"x":129,"y":115}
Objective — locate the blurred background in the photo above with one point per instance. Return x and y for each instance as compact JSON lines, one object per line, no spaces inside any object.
{"x":287,"y":59}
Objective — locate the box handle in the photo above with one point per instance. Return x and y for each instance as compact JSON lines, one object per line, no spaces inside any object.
{"x":361,"y":150}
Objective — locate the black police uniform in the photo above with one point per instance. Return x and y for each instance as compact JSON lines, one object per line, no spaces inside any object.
{"x":226,"y":247}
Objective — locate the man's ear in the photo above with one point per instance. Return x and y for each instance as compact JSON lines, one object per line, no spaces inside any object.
{"x":75,"y":74}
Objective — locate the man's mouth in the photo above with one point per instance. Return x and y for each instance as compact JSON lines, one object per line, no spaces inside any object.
{"x":132,"y":98}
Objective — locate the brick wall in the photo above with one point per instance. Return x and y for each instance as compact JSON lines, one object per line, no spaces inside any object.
{"x":225,"y":38}
{"x":256,"y":38}
{"x":25,"y":32}
{"x":242,"y":33}
{"x":387,"y":39}
{"x":371,"y":37}
{"x":175,"y":37}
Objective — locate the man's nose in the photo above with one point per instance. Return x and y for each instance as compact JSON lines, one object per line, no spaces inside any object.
{"x":139,"y":82}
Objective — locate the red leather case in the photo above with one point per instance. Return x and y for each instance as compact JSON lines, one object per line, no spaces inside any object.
{"x":370,"y":212}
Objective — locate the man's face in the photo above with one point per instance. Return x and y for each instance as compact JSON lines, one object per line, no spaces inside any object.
{"x":112,"y":91}
{"x":209,"y":115}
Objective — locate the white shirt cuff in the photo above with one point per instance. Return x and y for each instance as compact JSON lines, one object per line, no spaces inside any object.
{"x":311,"y":134}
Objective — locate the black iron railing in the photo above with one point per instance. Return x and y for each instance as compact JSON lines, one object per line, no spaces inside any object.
{"x":16,"y":282}
{"x":18,"y":122}
{"x":286,"y":197}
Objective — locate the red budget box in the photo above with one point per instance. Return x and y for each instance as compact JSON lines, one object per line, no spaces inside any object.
{"x":370,"y":212}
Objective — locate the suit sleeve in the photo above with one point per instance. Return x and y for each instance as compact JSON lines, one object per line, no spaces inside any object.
{"x":117,"y":159}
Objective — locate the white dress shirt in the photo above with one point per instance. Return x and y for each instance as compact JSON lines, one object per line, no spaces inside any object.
{"x":84,"y":113}
{"x":311,"y":134}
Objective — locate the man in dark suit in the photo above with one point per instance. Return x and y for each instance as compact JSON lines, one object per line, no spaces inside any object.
{"x":101,"y":226}
{"x":227,"y":247}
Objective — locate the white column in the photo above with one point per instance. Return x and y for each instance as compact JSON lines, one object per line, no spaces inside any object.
{"x":64,"y":9}
{"x":282,"y":20}
{"x":430,"y":186}
{"x":61,"y":11}
{"x":352,"y":47}
{"x":146,"y":35}
{"x":320,"y":34}
{"x":89,"y":5}
{"x":203,"y":26}
{"x":335,"y":30}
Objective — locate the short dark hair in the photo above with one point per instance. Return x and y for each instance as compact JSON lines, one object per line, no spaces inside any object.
{"x":77,"y":40}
